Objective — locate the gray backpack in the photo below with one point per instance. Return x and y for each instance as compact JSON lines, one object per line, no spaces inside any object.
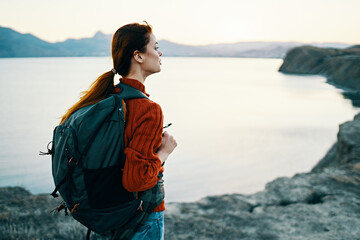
{"x":87,"y":161}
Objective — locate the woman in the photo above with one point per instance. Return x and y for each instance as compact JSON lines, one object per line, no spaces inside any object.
{"x":136,"y":56}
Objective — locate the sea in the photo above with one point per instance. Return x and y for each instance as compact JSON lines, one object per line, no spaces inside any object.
{"x":239,"y":123}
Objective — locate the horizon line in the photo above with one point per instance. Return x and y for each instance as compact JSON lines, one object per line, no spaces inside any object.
{"x":195,"y":44}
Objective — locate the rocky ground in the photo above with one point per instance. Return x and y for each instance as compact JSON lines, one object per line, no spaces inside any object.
{"x":324,"y":205}
{"x":321,"y":204}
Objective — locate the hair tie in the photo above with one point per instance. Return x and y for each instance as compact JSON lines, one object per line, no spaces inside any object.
{"x":114,"y":70}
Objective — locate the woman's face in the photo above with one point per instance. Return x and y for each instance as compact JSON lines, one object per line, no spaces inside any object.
{"x":151,"y":58}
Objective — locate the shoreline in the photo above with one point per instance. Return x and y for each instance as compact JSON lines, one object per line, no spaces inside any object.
{"x":321,"y":204}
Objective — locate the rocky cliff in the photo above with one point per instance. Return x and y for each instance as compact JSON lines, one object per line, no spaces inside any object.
{"x":346,"y":151}
{"x":321,"y":204}
{"x":341,"y":67}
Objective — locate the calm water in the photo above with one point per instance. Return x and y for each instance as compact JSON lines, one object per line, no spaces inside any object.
{"x":239,"y":123}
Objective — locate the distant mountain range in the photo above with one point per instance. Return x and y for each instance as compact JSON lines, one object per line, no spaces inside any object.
{"x":15,"y":44}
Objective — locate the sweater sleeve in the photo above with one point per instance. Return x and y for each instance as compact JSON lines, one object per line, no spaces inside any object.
{"x":142,"y":164}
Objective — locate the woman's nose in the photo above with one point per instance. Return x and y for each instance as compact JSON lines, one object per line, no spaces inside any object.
{"x":160,"y":53}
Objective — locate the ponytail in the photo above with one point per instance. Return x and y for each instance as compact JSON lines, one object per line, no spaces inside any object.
{"x":125,"y":41}
{"x":98,"y":90}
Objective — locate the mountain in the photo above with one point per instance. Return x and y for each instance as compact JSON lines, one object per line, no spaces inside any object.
{"x":15,"y":44}
{"x":240,"y":49}
{"x":99,"y":45}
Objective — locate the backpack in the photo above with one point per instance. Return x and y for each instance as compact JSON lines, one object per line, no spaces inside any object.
{"x":87,"y":161}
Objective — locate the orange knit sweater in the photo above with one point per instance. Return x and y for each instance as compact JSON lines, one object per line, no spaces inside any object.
{"x":143,"y":137}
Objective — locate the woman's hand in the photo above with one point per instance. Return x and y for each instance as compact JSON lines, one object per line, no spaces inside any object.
{"x":167,"y":147}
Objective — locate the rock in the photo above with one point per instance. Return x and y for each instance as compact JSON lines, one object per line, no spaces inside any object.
{"x":327,"y":161}
{"x":346,"y":152}
{"x":27,"y":216}
{"x":341,"y":67}
{"x":322,"y":205}
{"x":308,"y":206}
{"x":315,"y":205}
{"x":307,"y":60}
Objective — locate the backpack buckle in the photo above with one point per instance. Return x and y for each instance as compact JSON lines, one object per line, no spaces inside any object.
{"x":71,"y":160}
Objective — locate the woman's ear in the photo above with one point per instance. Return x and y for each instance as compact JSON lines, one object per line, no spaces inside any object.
{"x":137,"y":56}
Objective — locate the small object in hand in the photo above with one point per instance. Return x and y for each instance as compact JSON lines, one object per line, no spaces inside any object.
{"x":167,"y":125}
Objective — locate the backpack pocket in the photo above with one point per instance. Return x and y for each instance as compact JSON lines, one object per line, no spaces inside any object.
{"x":103,"y":220}
{"x":65,"y":151}
{"x":104,"y":187}
{"x":65,"y":159}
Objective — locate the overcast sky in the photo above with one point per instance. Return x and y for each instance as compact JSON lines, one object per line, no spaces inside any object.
{"x":190,"y":21}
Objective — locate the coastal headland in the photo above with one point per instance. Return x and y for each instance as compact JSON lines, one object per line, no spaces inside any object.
{"x":341,"y":67}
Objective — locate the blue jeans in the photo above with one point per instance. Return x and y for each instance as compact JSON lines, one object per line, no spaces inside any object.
{"x":152,"y":229}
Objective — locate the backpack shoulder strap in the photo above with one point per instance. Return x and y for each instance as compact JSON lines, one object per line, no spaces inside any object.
{"x":127,"y":92}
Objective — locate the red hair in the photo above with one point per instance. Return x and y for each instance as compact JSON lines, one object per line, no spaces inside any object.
{"x":126,"y":40}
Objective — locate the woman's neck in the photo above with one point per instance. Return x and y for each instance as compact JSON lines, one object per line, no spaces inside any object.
{"x":136,"y":76}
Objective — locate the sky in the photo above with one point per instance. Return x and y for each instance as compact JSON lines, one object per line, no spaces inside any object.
{"x":190,"y":21}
